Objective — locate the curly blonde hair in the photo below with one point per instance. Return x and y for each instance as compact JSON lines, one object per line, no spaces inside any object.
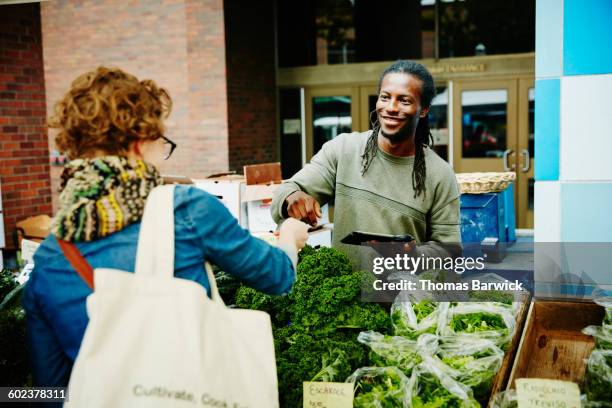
{"x":106,"y":110}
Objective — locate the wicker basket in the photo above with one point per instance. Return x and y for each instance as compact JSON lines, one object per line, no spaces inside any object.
{"x":480,"y":183}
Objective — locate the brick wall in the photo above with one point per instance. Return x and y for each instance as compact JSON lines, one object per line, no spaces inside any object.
{"x":24,"y":151}
{"x":177,"y":43}
{"x":251,"y":82}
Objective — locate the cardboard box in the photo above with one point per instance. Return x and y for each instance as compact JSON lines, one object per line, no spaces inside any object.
{"x":228,"y":189}
{"x":258,"y":200}
{"x":34,"y":228}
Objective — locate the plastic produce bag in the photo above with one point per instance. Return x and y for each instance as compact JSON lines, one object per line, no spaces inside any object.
{"x":480,"y":320}
{"x":477,"y":361}
{"x":602,"y":335}
{"x":598,"y":378}
{"x":412,"y":317}
{"x":504,"y":399}
{"x":397,"y":351}
{"x":432,"y":385}
{"x":599,"y":297}
{"x":506,"y":299}
{"x":379,"y":387}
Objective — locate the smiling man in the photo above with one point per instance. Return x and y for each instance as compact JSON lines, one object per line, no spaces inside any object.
{"x":387,"y":180}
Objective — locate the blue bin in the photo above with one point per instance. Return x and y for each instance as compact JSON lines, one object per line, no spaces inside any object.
{"x":488,"y":215}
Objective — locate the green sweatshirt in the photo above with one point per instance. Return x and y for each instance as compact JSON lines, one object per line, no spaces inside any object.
{"x":382,"y":200}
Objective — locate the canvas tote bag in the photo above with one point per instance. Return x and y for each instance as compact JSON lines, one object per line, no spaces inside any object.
{"x":154,"y":340}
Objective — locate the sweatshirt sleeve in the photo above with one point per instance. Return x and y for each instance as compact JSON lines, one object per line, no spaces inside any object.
{"x":226,"y":244}
{"x":317,"y":179}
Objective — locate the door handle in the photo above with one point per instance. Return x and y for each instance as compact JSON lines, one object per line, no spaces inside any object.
{"x":527,"y":160}
{"x":507,"y":153}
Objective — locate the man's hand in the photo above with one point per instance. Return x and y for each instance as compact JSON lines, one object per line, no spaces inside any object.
{"x":303,"y":207}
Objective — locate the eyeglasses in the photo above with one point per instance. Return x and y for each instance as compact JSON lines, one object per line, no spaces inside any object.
{"x":169,"y":147}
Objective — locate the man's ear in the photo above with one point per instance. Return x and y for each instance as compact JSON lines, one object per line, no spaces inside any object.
{"x":424,"y":112}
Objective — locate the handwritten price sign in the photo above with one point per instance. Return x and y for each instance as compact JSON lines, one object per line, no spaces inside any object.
{"x":328,"y":395}
{"x":541,"y":393}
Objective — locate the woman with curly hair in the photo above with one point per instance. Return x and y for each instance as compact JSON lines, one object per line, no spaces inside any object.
{"x":111,"y":125}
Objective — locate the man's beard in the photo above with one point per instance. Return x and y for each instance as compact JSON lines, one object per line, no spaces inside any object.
{"x":401,"y":135}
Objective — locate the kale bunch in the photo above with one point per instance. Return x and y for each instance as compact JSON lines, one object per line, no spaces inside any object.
{"x":327,"y":296}
{"x":7,"y":283}
{"x":379,"y":387}
{"x":278,"y":307}
{"x":316,"y":325}
{"x":300,"y":357}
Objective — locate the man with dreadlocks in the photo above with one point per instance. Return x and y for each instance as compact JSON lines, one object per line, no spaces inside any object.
{"x":387,"y":180}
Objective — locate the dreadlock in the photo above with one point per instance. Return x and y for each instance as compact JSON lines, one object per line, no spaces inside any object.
{"x":423,"y":135}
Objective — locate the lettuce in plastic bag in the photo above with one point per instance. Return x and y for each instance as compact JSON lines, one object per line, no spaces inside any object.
{"x":504,"y":399}
{"x":476,"y":360}
{"x":598,"y":378}
{"x":397,"y":351}
{"x":599,"y":297}
{"x":412,"y":317}
{"x":480,"y":320}
{"x":602,"y":335}
{"x":432,"y":386}
{"x":379,"y":387}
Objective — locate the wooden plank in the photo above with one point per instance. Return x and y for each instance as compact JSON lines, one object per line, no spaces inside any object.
{"x":266,"y":173}
{"x":552,"y":345}
{"x":500,"y":380}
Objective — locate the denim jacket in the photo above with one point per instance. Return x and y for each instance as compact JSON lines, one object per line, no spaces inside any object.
{"x":54,"y":297}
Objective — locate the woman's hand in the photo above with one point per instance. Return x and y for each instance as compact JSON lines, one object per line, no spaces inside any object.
{"x":293,"y":232}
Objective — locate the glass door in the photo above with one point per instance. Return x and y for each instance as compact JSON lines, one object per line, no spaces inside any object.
{"x":329,"y":112}
{"x":485,"y":128}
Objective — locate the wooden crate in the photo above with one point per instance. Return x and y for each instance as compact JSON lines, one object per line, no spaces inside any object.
{"x":552,"y":344}
{"x":501,"y":379}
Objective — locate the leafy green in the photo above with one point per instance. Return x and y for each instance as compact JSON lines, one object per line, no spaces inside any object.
{"x":227,"y":284}
{"x":475,"y":322}
{"x":424,"y":308}
{"x":411,"y":319}
{"x":598,"y":377}
{"x":432,"y":394}
{"x":382,"y":387}
{"x":391,"y":351}
{"x":497,"y":296}
{"x":477,"y":373}
{"x":475,"y":360}
{"x":7,"y":283}
{"x":276,"y":306}
{"x":300,"y":357}
{"x":316,"y":325}
{"x":602,"y":335}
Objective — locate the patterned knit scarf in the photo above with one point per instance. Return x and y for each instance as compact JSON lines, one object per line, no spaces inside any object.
{"x":101,"y":196}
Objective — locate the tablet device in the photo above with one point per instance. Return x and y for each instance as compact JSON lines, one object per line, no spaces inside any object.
{"x":360,"y":237}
